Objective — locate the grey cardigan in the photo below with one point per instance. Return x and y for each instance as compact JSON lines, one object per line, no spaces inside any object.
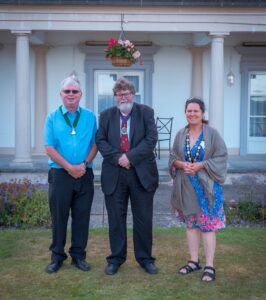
{"x":215,"y":167}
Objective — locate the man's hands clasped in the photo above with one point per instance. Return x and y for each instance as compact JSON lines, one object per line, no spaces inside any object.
{"x":124,"y":162}
{"x":77,"y":171}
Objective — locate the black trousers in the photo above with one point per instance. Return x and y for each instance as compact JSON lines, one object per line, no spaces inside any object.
{"x":69,"y":194}
{"x":129,"y":186}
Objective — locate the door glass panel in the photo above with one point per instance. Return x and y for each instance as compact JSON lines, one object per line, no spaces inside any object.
{"x":258,"y":105}
{"x":105,"y":80}
{"x":105,"y":85}
{"x":257,"y":126}
{"x":135,"y":81}
{"x":257,"y":117}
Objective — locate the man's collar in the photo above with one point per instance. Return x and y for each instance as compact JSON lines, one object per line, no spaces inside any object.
{"x":125,"y":114}
{"x":65,"y":110}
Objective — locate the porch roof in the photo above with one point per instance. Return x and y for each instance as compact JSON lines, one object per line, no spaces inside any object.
{"x":142,"y":3}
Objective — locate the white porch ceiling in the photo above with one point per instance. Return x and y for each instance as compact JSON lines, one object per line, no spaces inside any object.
{"x":66,"y":38}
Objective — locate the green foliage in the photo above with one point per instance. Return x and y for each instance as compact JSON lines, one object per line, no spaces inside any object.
{"x":231,"y":213}
{"x":23,"y":204}
{"x":249,"y":211}
{"x":246,"y":211}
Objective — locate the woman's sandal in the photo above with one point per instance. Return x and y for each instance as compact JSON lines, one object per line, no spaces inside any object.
{"x":207,"y":274}
{"x":189,"y":269}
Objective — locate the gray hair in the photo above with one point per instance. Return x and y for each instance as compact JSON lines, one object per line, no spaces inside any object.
{"x":71,"y":80}
{"x":123,"y":84}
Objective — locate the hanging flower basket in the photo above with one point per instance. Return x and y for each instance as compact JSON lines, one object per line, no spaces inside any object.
{"x":122,"y":53}
{"x":121,"y":61}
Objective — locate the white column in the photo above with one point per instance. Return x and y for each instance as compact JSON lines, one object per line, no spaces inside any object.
{"x":22,"y":104}
{"x":196,"y":82}
{"x":216,"y":101}
{"x":40,"y":97}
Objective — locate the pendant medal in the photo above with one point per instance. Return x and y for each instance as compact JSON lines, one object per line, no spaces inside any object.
{"x":73,"y":131}
{"x":75,"y":123}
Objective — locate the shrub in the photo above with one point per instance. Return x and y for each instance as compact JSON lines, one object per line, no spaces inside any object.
{"x":249,"y":211}
{"x":231,"y":213}
{"x":23,"y":203}
{"x":246,"y":211}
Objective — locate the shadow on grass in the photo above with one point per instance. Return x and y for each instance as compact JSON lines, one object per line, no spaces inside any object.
{"x":240,"y":264}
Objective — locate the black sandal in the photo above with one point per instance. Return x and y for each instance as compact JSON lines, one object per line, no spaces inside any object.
{"x":211,"y":275}
{"x":189,"y":269}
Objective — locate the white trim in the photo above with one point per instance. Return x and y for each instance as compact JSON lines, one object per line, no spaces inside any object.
{"x":170,"y":19}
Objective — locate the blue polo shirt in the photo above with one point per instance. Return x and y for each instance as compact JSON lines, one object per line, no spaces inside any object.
{"x":57,"y":133}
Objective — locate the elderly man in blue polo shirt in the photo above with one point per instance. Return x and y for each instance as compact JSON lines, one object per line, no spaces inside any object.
{"x":70,"y":144}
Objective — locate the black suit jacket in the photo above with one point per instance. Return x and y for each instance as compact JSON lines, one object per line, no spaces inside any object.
{"x":143,"y":138}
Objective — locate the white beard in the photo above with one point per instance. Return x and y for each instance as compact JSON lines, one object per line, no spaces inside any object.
{"x":125,"y":107}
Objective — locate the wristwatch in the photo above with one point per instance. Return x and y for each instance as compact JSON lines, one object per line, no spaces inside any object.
{"x":85,"y":163}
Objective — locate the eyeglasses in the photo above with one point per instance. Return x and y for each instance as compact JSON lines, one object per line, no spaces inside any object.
{"x":123,"y":95}
{"x":71,"y":91}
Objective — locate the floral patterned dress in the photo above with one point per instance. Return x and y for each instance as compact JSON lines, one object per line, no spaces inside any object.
{"x":210,"y":218}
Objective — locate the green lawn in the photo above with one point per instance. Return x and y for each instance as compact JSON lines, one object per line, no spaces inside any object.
{"x":240,"y":265}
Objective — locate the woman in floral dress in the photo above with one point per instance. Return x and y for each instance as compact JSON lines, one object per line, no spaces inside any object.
{"x":197,"y":163}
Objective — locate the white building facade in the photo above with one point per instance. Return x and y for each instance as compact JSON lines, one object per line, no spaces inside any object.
{"x":210,"y":51}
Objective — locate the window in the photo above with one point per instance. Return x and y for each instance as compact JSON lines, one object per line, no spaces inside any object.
{"x":104,"y":83}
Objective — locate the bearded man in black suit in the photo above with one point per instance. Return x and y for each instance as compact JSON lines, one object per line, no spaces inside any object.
{"x":126,"y":138}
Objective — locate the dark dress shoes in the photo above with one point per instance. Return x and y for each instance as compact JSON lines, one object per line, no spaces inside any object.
{"x":54,"y":266}
{"x":150,"y":268}
{"x":111,"y":269}
{"x":81,"y":264}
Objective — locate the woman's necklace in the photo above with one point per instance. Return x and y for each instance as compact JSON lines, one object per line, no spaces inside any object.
{"x":194,"y":159}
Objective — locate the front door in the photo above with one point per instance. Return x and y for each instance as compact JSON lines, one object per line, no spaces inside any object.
{"x":257,"y":113}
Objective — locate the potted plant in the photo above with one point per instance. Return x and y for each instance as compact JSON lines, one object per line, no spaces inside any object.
{"x":122,"y":53}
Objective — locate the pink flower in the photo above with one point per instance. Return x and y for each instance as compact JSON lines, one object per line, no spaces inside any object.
{"x":111,"y":42}
{"x":128,"y":43}
{"x":136,"y":54}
